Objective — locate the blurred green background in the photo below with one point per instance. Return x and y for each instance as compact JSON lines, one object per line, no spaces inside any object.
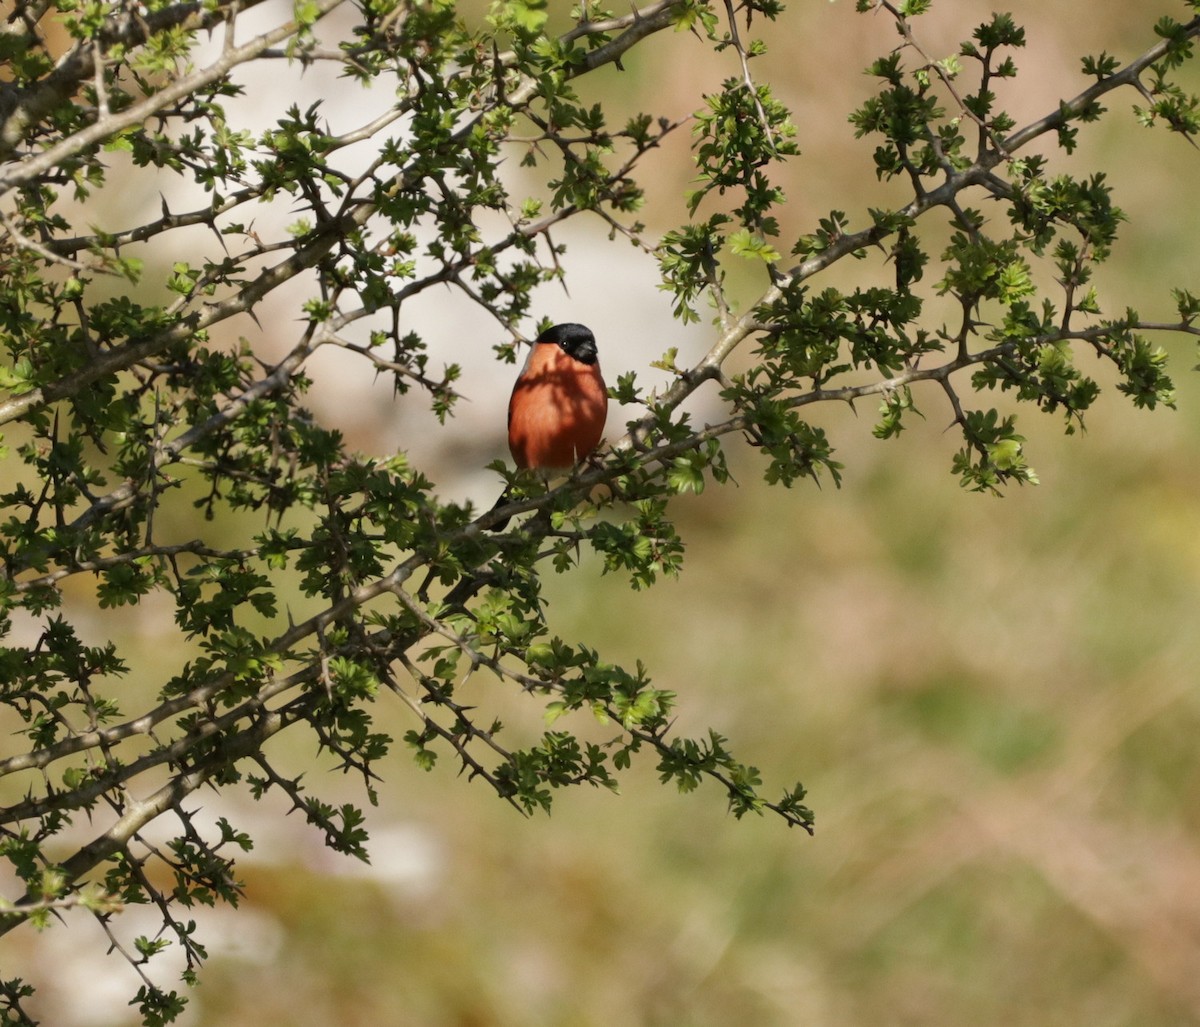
{"x":992,"y":701}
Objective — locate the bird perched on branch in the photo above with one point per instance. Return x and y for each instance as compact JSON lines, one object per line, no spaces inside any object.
{"x":559,"y":403}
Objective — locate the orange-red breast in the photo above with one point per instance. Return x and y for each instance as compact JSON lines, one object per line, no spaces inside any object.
{"x":559,"y":403}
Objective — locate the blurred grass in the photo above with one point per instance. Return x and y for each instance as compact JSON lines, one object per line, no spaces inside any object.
{"x":992,"y":702}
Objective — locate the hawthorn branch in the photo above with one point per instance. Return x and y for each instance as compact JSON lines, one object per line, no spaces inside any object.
{"x":1069,"y":110}
{"x":32,"y":168}
{"x":310,"y":251}
{"x":633,"y":445}
{"x":22,"y":107}
{"x":231,"y":749}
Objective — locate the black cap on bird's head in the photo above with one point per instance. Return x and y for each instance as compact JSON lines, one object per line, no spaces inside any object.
{"x":574,"y":339}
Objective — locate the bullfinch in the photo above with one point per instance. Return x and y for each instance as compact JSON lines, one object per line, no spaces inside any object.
{"x":559,"y":403}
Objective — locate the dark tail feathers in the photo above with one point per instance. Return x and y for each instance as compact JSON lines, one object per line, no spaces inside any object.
{"x":500,"y":525}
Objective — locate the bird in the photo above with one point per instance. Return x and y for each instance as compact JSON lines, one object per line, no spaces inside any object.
{"x":559,"y":403}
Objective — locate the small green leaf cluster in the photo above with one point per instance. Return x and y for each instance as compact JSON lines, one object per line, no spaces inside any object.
{"x":740,"y":135}
{"x":688,"y":761}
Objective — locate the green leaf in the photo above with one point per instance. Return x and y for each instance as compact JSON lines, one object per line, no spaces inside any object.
{"x":745,"y":243}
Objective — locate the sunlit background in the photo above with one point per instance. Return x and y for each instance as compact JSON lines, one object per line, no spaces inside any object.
{"x":992,"y":701}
